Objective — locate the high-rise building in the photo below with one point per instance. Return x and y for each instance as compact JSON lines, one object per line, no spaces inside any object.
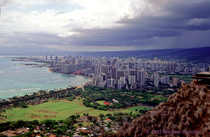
{"x":96,"y":80}
{"x":121,"y":83}
{"x":153,"y":66}
{"x":146,"y":75}
{"x":129,"y":66}
{"x":69,"y":68}
{"x":173,"y":67}
{"x":51,"y":63}
{"x":73,"y":61}
{"x":174,"y":82}
{"x":186,"y":70}
{"x":117,"y":65}
{"x":67,"y":62}
{"x":108,"y":62}
{"x":50,"y":57}
{"x":133,"y":73}
{"x":88,"y":71}
{"x":114,"y":73}
{"x":46,"y":57}
{"x":111,"y":83}
{"x":156,"y":79}
{"x":165,"y":79}
{"x":141,"y":77}
{"x":179,"y":67}
{"x":104,"y":76}
{"x":56,"y":59}
{"x":63,"y":68}
{"x":102,"y":84}
{"x":88,"y":63}
{"x":131,"y":79}
{"x":120,"y":73}
{"x":104,"y":69}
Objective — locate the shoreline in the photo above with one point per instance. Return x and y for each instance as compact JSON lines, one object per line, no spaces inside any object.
{"x":86,"y":83}
{"x":49,"y":69}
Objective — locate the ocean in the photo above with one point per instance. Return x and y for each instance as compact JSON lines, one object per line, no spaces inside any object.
{"x":17,"y":79}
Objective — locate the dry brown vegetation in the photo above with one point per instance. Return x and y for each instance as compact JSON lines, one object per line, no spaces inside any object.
{"x":186,"y":110}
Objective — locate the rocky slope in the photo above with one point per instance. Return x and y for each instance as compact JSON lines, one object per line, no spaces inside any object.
{"x":186,"y":113}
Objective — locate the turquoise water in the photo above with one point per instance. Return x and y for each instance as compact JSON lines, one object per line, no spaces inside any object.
{"x":17,"y":79}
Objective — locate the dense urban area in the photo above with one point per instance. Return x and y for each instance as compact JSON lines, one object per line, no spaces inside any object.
{"x":121,"y":89}
{"x":127,"y":73}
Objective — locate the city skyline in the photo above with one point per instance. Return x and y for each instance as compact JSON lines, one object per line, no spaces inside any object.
{"x":103,"y":25}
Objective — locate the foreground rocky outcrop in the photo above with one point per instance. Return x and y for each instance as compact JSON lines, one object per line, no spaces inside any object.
{"x":186,"y":113}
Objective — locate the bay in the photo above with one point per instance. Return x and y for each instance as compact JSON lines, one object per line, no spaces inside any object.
{"x":17,"y":79}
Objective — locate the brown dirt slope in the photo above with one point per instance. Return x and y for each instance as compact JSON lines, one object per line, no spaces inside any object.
{"x":186,"y":113}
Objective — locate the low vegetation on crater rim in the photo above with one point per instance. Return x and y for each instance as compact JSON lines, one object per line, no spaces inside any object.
{"x":186,"y":111}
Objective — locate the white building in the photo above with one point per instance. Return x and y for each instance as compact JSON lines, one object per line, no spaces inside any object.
{"x":111,"y":83}
{"x":88,"y":71}
{"x":121,"y":83}
{"x":131,"y":79}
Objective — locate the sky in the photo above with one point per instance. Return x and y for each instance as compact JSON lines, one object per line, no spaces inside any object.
{"x":103,"y":25}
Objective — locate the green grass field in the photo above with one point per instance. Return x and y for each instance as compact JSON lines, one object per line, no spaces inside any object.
{"x":101,"y":102}
{"x":57,"y":110}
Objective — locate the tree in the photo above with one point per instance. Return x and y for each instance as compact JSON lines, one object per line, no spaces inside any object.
{"x":94,"y":120}
{"x":28,"y":134}
{"x":109,"y":125}
{"x":48,"y":122}
{"x":80,"y":125}
{"x":101,"y":116}
{"x":1,"y":135}
{"x":78,"y":116}
{"x":73,"y":118}
{"x":35,"y":122}
{"x":58,"y":131}
{"x":13,"y":125}
{"x":89,"y":118}
{"x":22,"y":104}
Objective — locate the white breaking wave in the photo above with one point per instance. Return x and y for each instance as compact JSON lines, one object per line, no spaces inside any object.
{"x":29,"y":89}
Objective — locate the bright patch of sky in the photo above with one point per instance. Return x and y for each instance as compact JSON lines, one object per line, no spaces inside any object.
{"x":88,"y":25}
{"x":62,"y":7}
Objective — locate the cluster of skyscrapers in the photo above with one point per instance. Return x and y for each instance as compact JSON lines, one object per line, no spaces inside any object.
{"x":120,"y":73}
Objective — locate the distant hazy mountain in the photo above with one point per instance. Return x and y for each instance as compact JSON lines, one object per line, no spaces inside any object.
{"x":192,"y":54}
{"x":188,"y":54}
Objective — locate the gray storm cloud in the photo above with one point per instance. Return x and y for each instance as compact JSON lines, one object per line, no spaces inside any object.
{"x":163,"y":24}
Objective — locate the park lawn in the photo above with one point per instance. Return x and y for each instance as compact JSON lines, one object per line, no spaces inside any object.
{"x":160,"y":97}
{"x":56,"y":110}
{"x":133,"y":109}
{"x":101,"y":102}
